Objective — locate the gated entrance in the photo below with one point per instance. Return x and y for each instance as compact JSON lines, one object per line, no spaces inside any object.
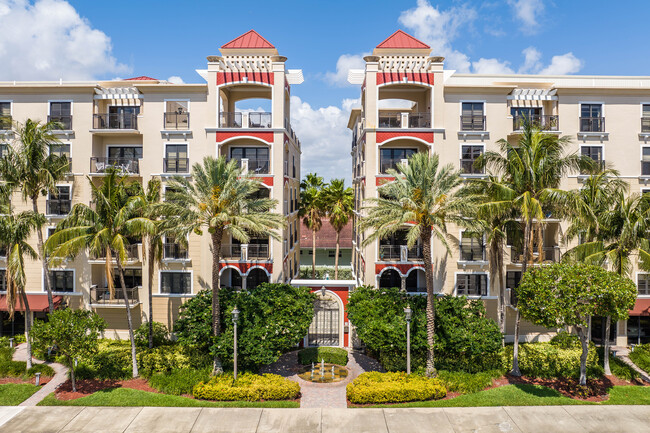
{"x":324,"y":329}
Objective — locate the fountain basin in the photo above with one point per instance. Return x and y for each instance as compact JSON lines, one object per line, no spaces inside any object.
{"x":324,"y":375}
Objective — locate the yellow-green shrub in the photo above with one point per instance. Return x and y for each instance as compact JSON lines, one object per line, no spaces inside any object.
{"x":549,"y":360}
{"x":397,"y":387}
{"x":248,"y":387}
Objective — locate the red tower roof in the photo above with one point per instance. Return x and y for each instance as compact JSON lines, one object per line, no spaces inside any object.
{"x":141,"y":78}
{"x":401,"y":39}
{"x":250,"y":39}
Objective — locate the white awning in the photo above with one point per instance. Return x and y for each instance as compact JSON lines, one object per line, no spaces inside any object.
{"x":356,"y":76}
{"x":294,"y":76}
{"x":533,"y":95}
{"x":117,"y":93}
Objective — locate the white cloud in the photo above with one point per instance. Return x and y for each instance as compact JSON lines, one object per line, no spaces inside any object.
{"x":48,"y":40}
{"x":175,"y":79}
{"x":532,"y":59}
{"x":491,"y":66}
{"x":564,"y":64}
{"x":343,"y":65}
{"x":325,"y":138}
{"x":528,"y":12}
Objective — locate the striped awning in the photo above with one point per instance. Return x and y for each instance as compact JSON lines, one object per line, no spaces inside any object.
{"x":117,"y":93}
{"x":533,"y":95}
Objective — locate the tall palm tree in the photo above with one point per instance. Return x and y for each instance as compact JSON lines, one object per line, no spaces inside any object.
{"x":531,"y":171}
{"x":15,"y":231}
{"x":221,"y":199}
{"x":36,"y":172}
{"x":423,"y":198}
{"x":105,"y":232}
{"x":339,"y":202}
{"x":312,"y":210}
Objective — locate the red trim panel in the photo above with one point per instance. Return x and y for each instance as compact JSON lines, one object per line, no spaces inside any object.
{"x":264,"y":136}
{"x":383,"y":136}
{"x":402,"y":267}
{"x":381,"y":180}
{"x":238,"y":77}
{"x":245,"y":266}
{"x":412,"y":77}
{"x":266,"y":180}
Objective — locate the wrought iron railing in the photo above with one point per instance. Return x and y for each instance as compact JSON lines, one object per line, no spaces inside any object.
{"x":592,"y":124}
{"x":64,"y":121}
{"x":473,"y":122}
{"x":174,"y":251}
{"x":390,"y":252}
{"x":102,"y":295}
{"x":545,"y":123}
{"x":100,"y":164}
{"x":115,"y":121}
{"x":231,"y":251}
{"x":175,"y":120}
{"x":176,"y":165}
{"x":258,"y":251}
{"x":390,"y":119}
{"x":58,"y":206}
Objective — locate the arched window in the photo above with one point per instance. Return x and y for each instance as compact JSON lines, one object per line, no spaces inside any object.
{"x":416,"y":281}
{"x":390,"y":278}
{"x":256,"y":277}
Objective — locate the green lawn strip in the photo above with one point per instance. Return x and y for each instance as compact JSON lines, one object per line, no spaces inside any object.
{"x":134,"y":397}
{"x":12,"y":394}
{"x":629,"y":395}
{"x":641,"y":357}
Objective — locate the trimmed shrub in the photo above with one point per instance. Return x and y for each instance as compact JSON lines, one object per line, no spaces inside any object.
{"x":641,"y":357}
{"x":565,"y":340}
{"x":164,"y":359}
{"x":248,"y":387}
{"x":160,"y":335}
{"x":375,"y":387}
{"x":6,"y":353}
{"x":12,"y":368}
{"x":44,"y":369}
{"x":550,"y":361}
{"x":466,"y":383}
{"x":331,"y":355}
{"x":178,"y":382}
{"x":344,"y":273}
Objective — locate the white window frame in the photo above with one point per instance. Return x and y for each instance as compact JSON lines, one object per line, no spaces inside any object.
{"x":641,"y":161}
{"x":460,"y":243}
{"x":636,"y":283}
{"x":178,"y":295}
{"x":74,"y":281}
{"x":11,"y":106}
{"x":487,"y":282}
{"x":49,"y":105}
{"x":460,"y":158}
{"x":69,"y":143}
{"x":602,"y":148}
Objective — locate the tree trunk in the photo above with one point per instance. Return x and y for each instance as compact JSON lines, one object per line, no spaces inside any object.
{"x":425,"y":237}
{"x":134,"y":359}
{"x":41,"y":252}
{"x":495,"y":263}
{"x":608,"y":322}
{"x":150,"y":264}
{"x":583,"y":357}
{"x":527,"y":240}
{"x":72,"y":377}
{"x":28,"y":327}
{"x":217,"y":368}
{"x":336,"y":258}
{"x":313,"y":253}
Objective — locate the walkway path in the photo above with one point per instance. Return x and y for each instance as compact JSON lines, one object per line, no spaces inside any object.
{"x":535,"y":419}
{"x":60,"y":376}
{"x":623,"y":353}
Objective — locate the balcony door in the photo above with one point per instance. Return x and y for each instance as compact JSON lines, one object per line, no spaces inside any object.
{"x":258,"y":158}
{"x":125,"y":153}
{"x":176,"y":158}
{"x":120,"y":117}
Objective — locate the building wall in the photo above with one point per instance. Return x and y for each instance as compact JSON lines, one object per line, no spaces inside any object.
{"x":323,"y":257}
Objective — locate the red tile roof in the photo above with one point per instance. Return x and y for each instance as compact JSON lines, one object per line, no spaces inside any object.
{"x":250,"y":39}
{"x":401,"y":39}
{"x":141,"y":78}
{"x":326,"y":236}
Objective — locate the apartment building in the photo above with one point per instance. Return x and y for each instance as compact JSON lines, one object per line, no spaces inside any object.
{"x":410,"y":103}
{"x":148,"y":128}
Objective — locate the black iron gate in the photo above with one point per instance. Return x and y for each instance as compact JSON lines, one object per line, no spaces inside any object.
{"x":324,"y":329}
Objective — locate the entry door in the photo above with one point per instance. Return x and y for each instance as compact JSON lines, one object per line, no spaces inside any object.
{"x":324,"y":329}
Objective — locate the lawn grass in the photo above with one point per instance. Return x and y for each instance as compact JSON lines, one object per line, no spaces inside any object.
{"x":135,"y":397}
{"x":12,"y":394}
{"x":532,"y":395}
{"x":641,"y":357}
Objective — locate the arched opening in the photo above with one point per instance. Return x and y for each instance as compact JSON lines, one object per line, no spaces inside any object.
{"x":231,"y":278}
{"x":416,"y":281}
{"x":390,"y":278}
{"x":256,"y":277}
{"x":324,"y":329}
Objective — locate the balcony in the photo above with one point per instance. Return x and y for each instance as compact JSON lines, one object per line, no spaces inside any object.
{"x":238,"y":119}
{"x":258,"y":251}
{"x":102,"y":296}
{"x":231,"y":251}
{"x":592,"y":124}
{"x":544,"y":123}
{"x":176,"y":165}
{"x":5,"y":123}
{"x":551,"y":254}
{"x":472,"y":253}
{"x":125,"y":166}
{"x":244,"y":252}
{"x":58,"y":206}
{"x":176,"y":121}
{"x":645,"y":124}
{"x":254,"y":166}
{"x":132,"y":254}
{"x":472,"y":123}
{"x":404,"y":120}
{"x":400,"y":252}
{"x":63,"y":121}
{"x":174,"y":251}
{"x":115,"y":121}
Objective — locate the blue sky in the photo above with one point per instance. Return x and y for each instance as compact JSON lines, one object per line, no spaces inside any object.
{"x":51,"y":39}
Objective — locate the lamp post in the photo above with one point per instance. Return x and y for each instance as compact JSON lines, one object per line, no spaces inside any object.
{"x":235,"y":318}
{"x":407,"y":313}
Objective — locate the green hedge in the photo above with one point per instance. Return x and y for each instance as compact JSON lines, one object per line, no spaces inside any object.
{"x":549,"y":360}
{"x":179,"y":382}
{"x":344,"y":273}
{"x":466,"y":383}
{"x":377,"y":387}
{"x":641,"y":357}
{"x":331,"y":355}
{"x":9,"y":368}
{"x":248,"y":387}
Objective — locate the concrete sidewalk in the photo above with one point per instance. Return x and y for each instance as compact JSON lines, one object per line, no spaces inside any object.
{"x":60,"y":376}
{"x":544,"y":419}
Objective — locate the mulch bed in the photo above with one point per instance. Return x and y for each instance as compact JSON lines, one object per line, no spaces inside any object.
{"x":44,"y":380}
{"x":89,"y":386}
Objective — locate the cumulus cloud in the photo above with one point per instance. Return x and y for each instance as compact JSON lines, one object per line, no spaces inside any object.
{"x":528,"y":13}
{"x":532,"y":59}
{"x":564,"y":64}
{"x":325,"y":138}
{"x":343,"y":65}
{"x":48,"y":40}
{"x":491,"y":66}
{"x":175,"y":79}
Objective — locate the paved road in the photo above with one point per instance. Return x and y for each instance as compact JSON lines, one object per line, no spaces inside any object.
{"x":544,"y":419}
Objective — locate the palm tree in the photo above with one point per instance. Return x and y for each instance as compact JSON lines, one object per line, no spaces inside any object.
{"x":423,"y":198}
{"x":531,"y":172}
{"x":339,"y":202}
{"x":36,"y":173}
{"x":15,"y":231}
{"x":221,"y":199}
{"x":105,"y":232}
{"x":312,"y":210}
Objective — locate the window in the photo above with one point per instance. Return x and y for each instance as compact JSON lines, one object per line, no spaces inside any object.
{"x":3,"y":280}
{"x":60,"y":149}
{"x":389,"y":158}
{"x":4,"y":149}
{"x":595,"y":153}
{"x":5,"y":115}
{"x":258,"y":158}
{"x":174,"y":250}
{"x":645,"y":161}
{"x":132,"y":278}
{"x":513,"y":278}
{"x":120,"y":117}
{"x":61,"y":113}
{"x":62,"y":281}
{"x":332,"y":253}
{"x":471,"y":284}
{"x":472,"y":248}
{"x":469,"y":154}
{"x":177,"y":115}
{"x":643,"y":284}
{"x":591,"y":118}
{"x":645,"y":118}
{"x":176,"y":160}
{"x":472,"y":117}
{"x":261,"y":193}
{"x":125,"y":153}
{"x":522,"y":114}
{"x":176,"y":282}
{"x":61,"y":203}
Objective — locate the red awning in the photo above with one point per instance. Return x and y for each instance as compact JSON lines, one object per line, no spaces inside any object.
{"x":36,"y":303}
{"x":641,"y":308}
